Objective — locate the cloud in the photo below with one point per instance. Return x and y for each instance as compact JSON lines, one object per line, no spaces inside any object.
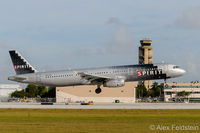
{"x":122,"y":42}
{"x":190,"y":19}
{"x":192,"y":65}
{"x":3,"y":45}
{"x":88,"y":51}
{"x":113,"y":20}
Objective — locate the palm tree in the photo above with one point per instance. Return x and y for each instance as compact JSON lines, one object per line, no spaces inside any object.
{"x":183,"y":94}
{"x":156,"y":89}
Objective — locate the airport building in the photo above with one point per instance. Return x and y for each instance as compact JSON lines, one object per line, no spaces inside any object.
{"x":7,"y":89}
{"x":86,"y":93}
{"x":146,"y":57}
{"x":171,"y":90}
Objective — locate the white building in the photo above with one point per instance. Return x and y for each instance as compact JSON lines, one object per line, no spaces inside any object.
{"x":171,"y":90}
{"x":7,"y":89}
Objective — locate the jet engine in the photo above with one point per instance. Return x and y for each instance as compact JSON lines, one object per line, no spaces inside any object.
{"x":114,"y":83}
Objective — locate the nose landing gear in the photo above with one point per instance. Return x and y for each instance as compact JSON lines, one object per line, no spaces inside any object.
{"x":165,"y":82}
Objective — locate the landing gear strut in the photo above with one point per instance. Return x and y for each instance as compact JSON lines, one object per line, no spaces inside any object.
{"x":98,"y":90}
{"x":165,"y":82}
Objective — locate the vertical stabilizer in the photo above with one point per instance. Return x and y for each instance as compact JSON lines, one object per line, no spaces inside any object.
{"x":20,"y":64}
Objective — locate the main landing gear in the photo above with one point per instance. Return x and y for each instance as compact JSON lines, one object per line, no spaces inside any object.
{"x":98,"y":90}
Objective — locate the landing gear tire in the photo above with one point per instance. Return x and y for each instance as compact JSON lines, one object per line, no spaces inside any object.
{"x":98,"y":90}
{"x":165,"y":83}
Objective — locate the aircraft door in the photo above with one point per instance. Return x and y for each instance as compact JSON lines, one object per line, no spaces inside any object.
{"x":130,"y":71}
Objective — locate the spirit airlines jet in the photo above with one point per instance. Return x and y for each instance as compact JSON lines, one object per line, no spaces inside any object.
{"x":114,"y":76}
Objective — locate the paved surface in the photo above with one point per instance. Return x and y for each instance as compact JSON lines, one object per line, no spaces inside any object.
{"x":103,"y":106}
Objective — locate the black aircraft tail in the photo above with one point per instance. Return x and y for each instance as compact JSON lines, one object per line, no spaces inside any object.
{"x":20,"y":64}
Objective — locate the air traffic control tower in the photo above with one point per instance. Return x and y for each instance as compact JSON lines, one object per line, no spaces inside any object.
{"x":146,"y":57}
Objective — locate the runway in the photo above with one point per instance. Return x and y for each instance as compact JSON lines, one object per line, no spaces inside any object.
{"x":102,"y":106}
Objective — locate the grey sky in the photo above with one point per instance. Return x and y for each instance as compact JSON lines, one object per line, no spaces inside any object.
{"x":67,"y":34}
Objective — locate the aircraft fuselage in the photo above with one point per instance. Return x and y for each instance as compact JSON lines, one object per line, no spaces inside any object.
{"x":122,"y":74}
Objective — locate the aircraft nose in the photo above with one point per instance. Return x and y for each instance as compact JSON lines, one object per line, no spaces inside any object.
{"x":182,"y":72}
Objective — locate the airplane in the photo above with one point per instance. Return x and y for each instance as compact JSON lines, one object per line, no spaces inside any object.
{"x":113,"y":76}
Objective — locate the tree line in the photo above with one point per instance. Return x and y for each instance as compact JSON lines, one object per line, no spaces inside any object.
{"x":33,"y":91}
{"x":154,"y":91}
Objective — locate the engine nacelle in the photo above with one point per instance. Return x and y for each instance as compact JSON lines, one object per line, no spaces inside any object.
{"x":114,"y":83}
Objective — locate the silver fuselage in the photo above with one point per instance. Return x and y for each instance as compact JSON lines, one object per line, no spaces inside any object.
{"x":127,"y":73}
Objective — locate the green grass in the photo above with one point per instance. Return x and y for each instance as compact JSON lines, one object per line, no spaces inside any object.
{"x":94,"y":121}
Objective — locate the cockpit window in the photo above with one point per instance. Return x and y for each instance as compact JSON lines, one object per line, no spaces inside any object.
{"x":176,"y":67}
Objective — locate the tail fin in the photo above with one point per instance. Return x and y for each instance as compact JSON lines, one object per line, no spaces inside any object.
{"x":20,"y":64}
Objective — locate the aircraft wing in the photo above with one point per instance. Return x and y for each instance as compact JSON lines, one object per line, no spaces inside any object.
{"x":94,"y":78}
